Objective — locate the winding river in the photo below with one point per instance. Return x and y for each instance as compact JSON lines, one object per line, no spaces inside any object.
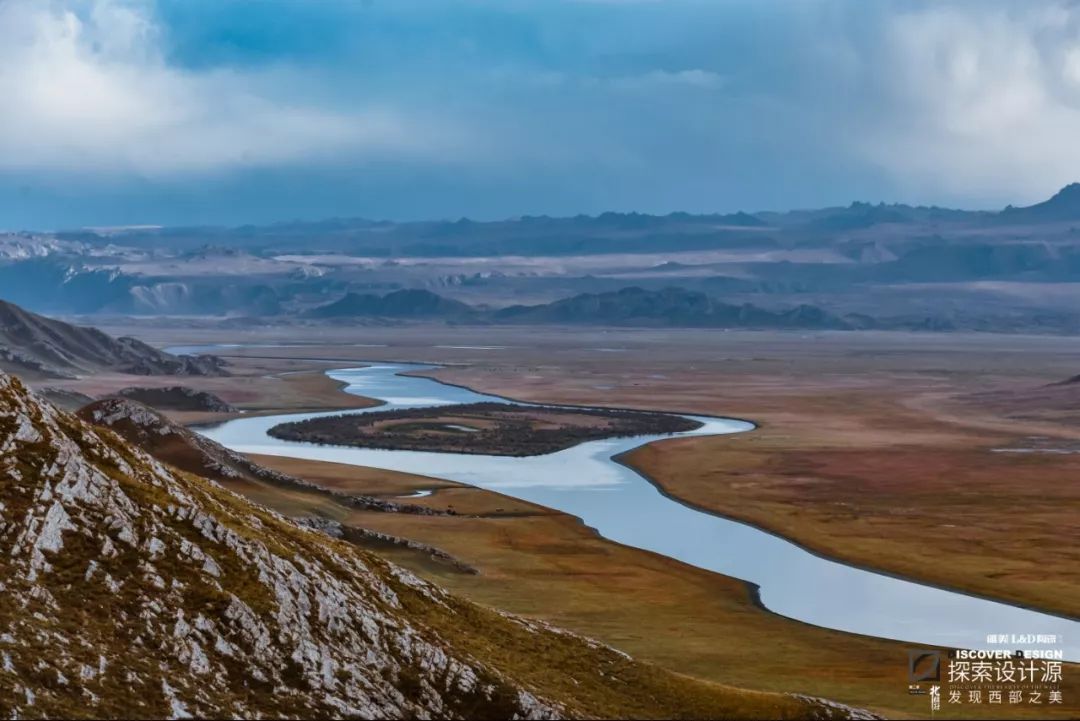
{"x":623,"y":506}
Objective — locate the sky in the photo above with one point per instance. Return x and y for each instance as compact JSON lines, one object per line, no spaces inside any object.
{"x":189,"y":112}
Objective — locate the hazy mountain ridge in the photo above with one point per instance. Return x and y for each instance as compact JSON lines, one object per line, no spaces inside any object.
{"x":31,"y":343}
{"x":668,"y":307}
{"x":64,"y":283}
{"x":544,"y":235}
{"x":22,"y":246}
{"x":1064,"y":205}
{"x":463,"y":237}
{"x":673,"y":307}
{"x":868,"y":260}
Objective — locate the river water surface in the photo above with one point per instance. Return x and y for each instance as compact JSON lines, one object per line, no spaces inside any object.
{"x":623,"y":506}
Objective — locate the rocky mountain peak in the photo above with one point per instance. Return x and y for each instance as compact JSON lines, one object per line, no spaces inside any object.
{"x":1063,"y":205}
{"x":1070,"y":192}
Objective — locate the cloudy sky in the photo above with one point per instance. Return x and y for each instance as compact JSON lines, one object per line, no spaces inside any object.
{"x":227,"y":111}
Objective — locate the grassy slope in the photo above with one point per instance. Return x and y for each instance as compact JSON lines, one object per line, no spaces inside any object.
{"x":564,"y":667}
{"x":557,"y":667}
{"x":590,"y":680}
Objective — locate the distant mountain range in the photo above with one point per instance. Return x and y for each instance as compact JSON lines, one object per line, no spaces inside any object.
{"x":669,"y":307}
{"x":31,"y":344}
{"x":1064,"y":205}
{"x":628,"y":307}
{"x":527,"y":235}
{"x":544,"y":235}
{"x":990,"y":270}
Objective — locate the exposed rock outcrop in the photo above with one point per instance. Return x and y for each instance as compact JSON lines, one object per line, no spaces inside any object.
{"x":177,"y":398}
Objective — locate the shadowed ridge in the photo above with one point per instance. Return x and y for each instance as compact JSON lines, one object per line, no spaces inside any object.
{"x":1063,"y":205}
{"x":37,"y":345}
{"x":398,"y":304}
{"x":669,"y":307}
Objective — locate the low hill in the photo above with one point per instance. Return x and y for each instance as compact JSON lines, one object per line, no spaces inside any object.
{"x":33,"y":344}
{"x":134,"y":589}
{"x":669,"y":307}
{"x":399,"y":304}
{"x":674,"y":307}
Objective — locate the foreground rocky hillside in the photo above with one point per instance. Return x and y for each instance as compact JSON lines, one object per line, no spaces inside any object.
{"x":31,"y":344}
{"x":136,"y":590}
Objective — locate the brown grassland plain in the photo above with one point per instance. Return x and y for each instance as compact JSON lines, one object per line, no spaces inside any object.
{"x":864,"y":453}
{"x":880,"y":461}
